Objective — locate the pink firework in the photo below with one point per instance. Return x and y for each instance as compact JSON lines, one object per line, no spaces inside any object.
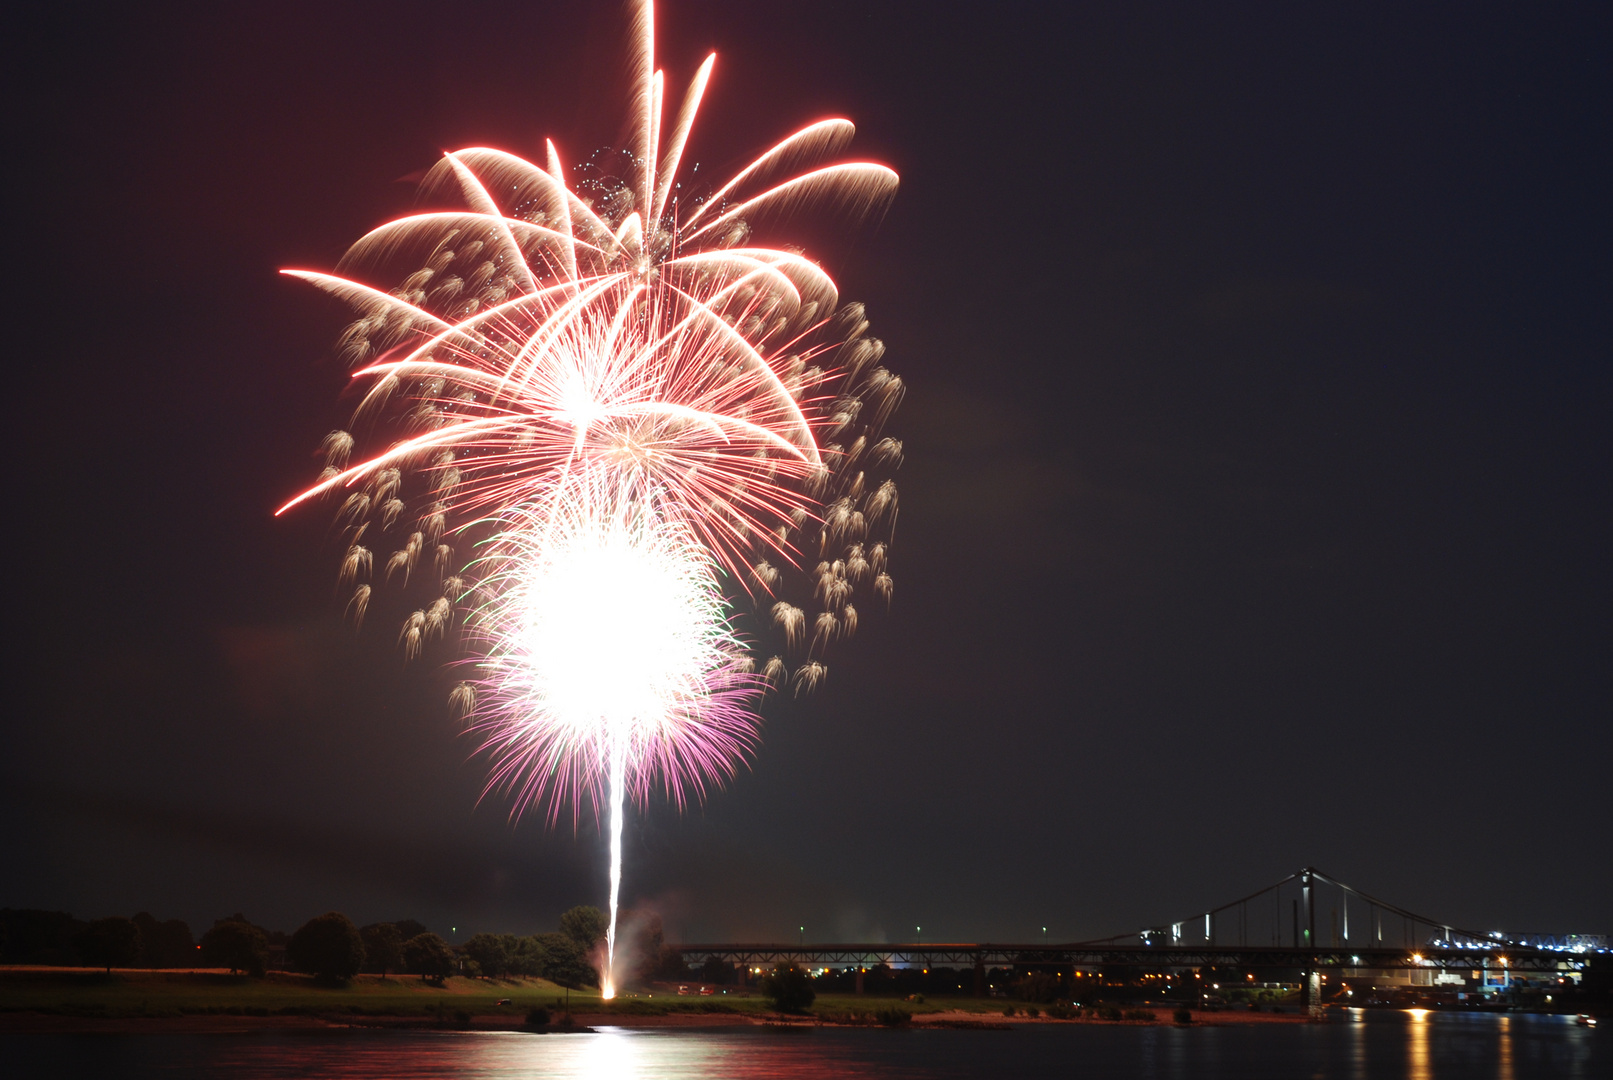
{"x":603,"y":411}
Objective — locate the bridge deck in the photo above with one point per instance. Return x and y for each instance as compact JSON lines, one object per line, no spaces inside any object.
{"x":972,"y":954}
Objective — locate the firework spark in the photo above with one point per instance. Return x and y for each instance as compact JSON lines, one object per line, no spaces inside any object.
{"x":606,"y":414}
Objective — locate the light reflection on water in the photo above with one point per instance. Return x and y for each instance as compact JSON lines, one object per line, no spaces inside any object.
{"x":639,"y":1054}
{"x":1356,"y":1051}
{"x":1417,"y":1066}
{"x":1354,"y":1046}
{"x":1503,"y":1051}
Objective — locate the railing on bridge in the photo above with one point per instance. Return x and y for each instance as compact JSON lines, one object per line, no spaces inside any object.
{"x":1557,"y":943}
{"x":993,"y":955}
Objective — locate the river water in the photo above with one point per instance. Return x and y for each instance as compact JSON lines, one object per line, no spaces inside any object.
{"x":1352,"y":1046}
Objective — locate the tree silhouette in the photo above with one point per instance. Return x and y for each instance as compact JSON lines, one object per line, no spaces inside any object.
{"x":585,"y":925}
{"x":236,"y":945}
{"x":789,"y":988}
{"x":109,"y":943}
{"x":328,"y":946}
{"x":428,"y":956}
{"x":383,"y":947}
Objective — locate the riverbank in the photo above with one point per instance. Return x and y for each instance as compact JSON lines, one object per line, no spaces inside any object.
{"x":203,"y":1000}
{"x":156,"y":993}
{"x":25,"y":1021}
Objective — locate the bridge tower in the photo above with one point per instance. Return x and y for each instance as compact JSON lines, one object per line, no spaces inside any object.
{"x":1310,"y":988}
{"x":1307,"y":884}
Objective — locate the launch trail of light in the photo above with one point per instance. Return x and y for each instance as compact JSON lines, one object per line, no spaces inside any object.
{"x":602,"y":416}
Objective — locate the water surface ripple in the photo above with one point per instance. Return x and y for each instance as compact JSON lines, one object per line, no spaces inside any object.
{"x":1357,"y":1046}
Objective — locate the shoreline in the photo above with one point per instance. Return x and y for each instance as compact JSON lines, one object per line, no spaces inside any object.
{"x":48,"y":1023}
{"x":60,"y":1000}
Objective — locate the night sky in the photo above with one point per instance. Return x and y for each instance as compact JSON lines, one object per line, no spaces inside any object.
{"x":1255,"y":513}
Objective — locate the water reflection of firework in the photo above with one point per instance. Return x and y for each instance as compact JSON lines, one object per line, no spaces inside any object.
{"x":605,"y":414}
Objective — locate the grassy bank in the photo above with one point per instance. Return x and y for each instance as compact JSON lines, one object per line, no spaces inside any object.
{"x":132,"y":994}
{"x":176,"y":993}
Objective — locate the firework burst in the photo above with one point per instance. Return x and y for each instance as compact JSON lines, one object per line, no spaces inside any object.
{"x":602,"y":415}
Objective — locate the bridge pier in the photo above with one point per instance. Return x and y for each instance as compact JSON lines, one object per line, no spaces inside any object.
{"x":1310,"y":993}
{"x":980,"y":977}
{"x":859,"y":980}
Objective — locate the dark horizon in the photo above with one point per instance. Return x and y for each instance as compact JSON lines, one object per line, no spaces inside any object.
{"x":1255,"y":511}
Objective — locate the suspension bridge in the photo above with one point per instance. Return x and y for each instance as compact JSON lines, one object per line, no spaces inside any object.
{"x":1273,"y":928}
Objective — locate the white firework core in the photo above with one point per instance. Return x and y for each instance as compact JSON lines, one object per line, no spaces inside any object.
{"x":614,"y":623}
{"x":608,"y":633}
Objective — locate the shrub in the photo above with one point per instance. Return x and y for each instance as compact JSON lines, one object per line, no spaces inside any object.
{"x":892,"y":1016}
{"x":1008,"y":1010}
{"x":1145,"y":1015}
{"x":1182,"y":1016}
{"x":788,"y":988}
{"x":1032,"y":1011}
{"x":328,"y":946}
{"x":537,"y":1017}
{"x":1110,"y":1012}
{"x":1061,"y":1010}
{"x":1037,"y":986}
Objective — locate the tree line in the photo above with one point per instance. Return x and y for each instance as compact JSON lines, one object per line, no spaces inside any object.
{"x":331,"y":947}
{"x":31,"y":936}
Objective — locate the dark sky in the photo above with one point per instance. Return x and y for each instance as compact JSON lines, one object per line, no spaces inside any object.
{"x":1256,"y":509}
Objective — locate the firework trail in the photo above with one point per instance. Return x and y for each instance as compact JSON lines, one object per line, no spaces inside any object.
{"x":604,"y":414}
